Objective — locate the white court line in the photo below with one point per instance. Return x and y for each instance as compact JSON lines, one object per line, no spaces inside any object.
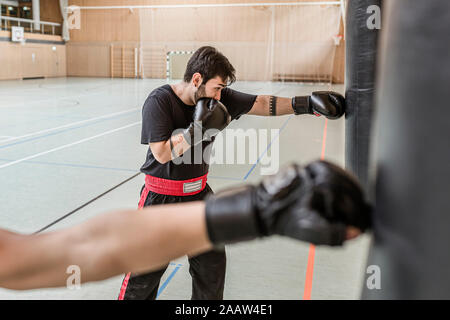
{"x":4,"y":138}
{"x":66,"y":146}
{"x":53,"y":99}
{"x":39,"y":88}
{"x":13,"y":91}
{"x":85,"y":92}
{"x":67,"y":125}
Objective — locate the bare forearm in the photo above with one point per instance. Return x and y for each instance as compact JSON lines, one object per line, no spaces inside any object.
{"x":264,"y":103}
{"x":170,"y":149}
{"x":164,"y":231}
{"x":108,"y":245}
{"x":27,"y":260}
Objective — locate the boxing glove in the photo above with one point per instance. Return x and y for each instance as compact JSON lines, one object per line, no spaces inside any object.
{"x":209,"y":114}
{"x":326,"y":103}
{"x":313,"y":204}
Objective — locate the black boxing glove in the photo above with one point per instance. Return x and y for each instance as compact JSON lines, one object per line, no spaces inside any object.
{"x":209,"y":114}
{"x":326,"y":103}
{"x":313,"y":204}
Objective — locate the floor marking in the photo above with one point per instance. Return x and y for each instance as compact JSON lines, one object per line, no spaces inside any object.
{"x":224,"y":178}
{"x":5,"y":137}
{"x":309,"y":273}
{"x":312,"y":249}
{"x":67,"y":145}
{"x":54,"y":133}
{"x":324,"y":140}
{"x":69,"y":125}
{"x":74,"y":165}
{"x":87,"y":203}
{"x":164,"y":285}
{"x":267,"y":149}
{"x":87,"y":166}
{"x":53,"y":99}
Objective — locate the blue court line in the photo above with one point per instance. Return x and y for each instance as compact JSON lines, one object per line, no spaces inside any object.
{"x":267,"y":149}
{"x":161,"y":289}
{"x":15,"y":125}
{"x":66,"y":130}
{"x":74,"y":165}
{"x":76,"y":111}
{"x":224,"y":178}
{"x":71,"y":117}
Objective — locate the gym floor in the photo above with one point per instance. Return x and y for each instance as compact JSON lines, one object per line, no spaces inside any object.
{"x":66,"y":141}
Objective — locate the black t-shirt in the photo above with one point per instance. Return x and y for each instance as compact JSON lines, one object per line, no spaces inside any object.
{"x":164,"y":112}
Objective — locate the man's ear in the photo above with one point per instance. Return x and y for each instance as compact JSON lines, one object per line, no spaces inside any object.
{"x":197,"y":79}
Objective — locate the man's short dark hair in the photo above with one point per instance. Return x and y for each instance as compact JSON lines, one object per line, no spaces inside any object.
{"x":210,"y":63}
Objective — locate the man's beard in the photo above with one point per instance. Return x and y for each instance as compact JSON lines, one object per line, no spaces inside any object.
{"x":200,"y":93}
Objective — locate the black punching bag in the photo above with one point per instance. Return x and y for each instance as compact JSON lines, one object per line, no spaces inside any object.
{"x":361,"y":38}
{"x":412,"y":153}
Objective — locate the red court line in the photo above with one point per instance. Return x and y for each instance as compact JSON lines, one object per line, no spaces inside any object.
{"x":309,"y":273}
{"x":324,"y":140}
{"x":312,"y":248}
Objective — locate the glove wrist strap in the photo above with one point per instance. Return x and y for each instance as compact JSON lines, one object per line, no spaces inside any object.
{"x":231,"y":218}
{"x":273,"y":105}
{"x":300,"y":105}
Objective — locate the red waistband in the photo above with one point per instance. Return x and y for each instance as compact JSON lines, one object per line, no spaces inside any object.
{"x":175,"y":187}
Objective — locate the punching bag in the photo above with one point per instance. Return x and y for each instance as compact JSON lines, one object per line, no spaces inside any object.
{"x":361,"y":38}
{"x":411,"y":162}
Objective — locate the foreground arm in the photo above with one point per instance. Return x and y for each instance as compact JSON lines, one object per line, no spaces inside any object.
{"x":321,"y":204}
{"x":262,"y":106}
{"x":105,"y":246}
{"x":320,"y":103}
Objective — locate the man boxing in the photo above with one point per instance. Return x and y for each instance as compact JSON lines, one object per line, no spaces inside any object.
{"x":200,"y":102}
{"x":321,"y":204}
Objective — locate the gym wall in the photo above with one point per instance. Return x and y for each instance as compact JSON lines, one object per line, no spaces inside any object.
{"x":42,"y":55}
{"x":50,"y":11}
{"x":102,"y":46}
{"x":263,"y":43}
